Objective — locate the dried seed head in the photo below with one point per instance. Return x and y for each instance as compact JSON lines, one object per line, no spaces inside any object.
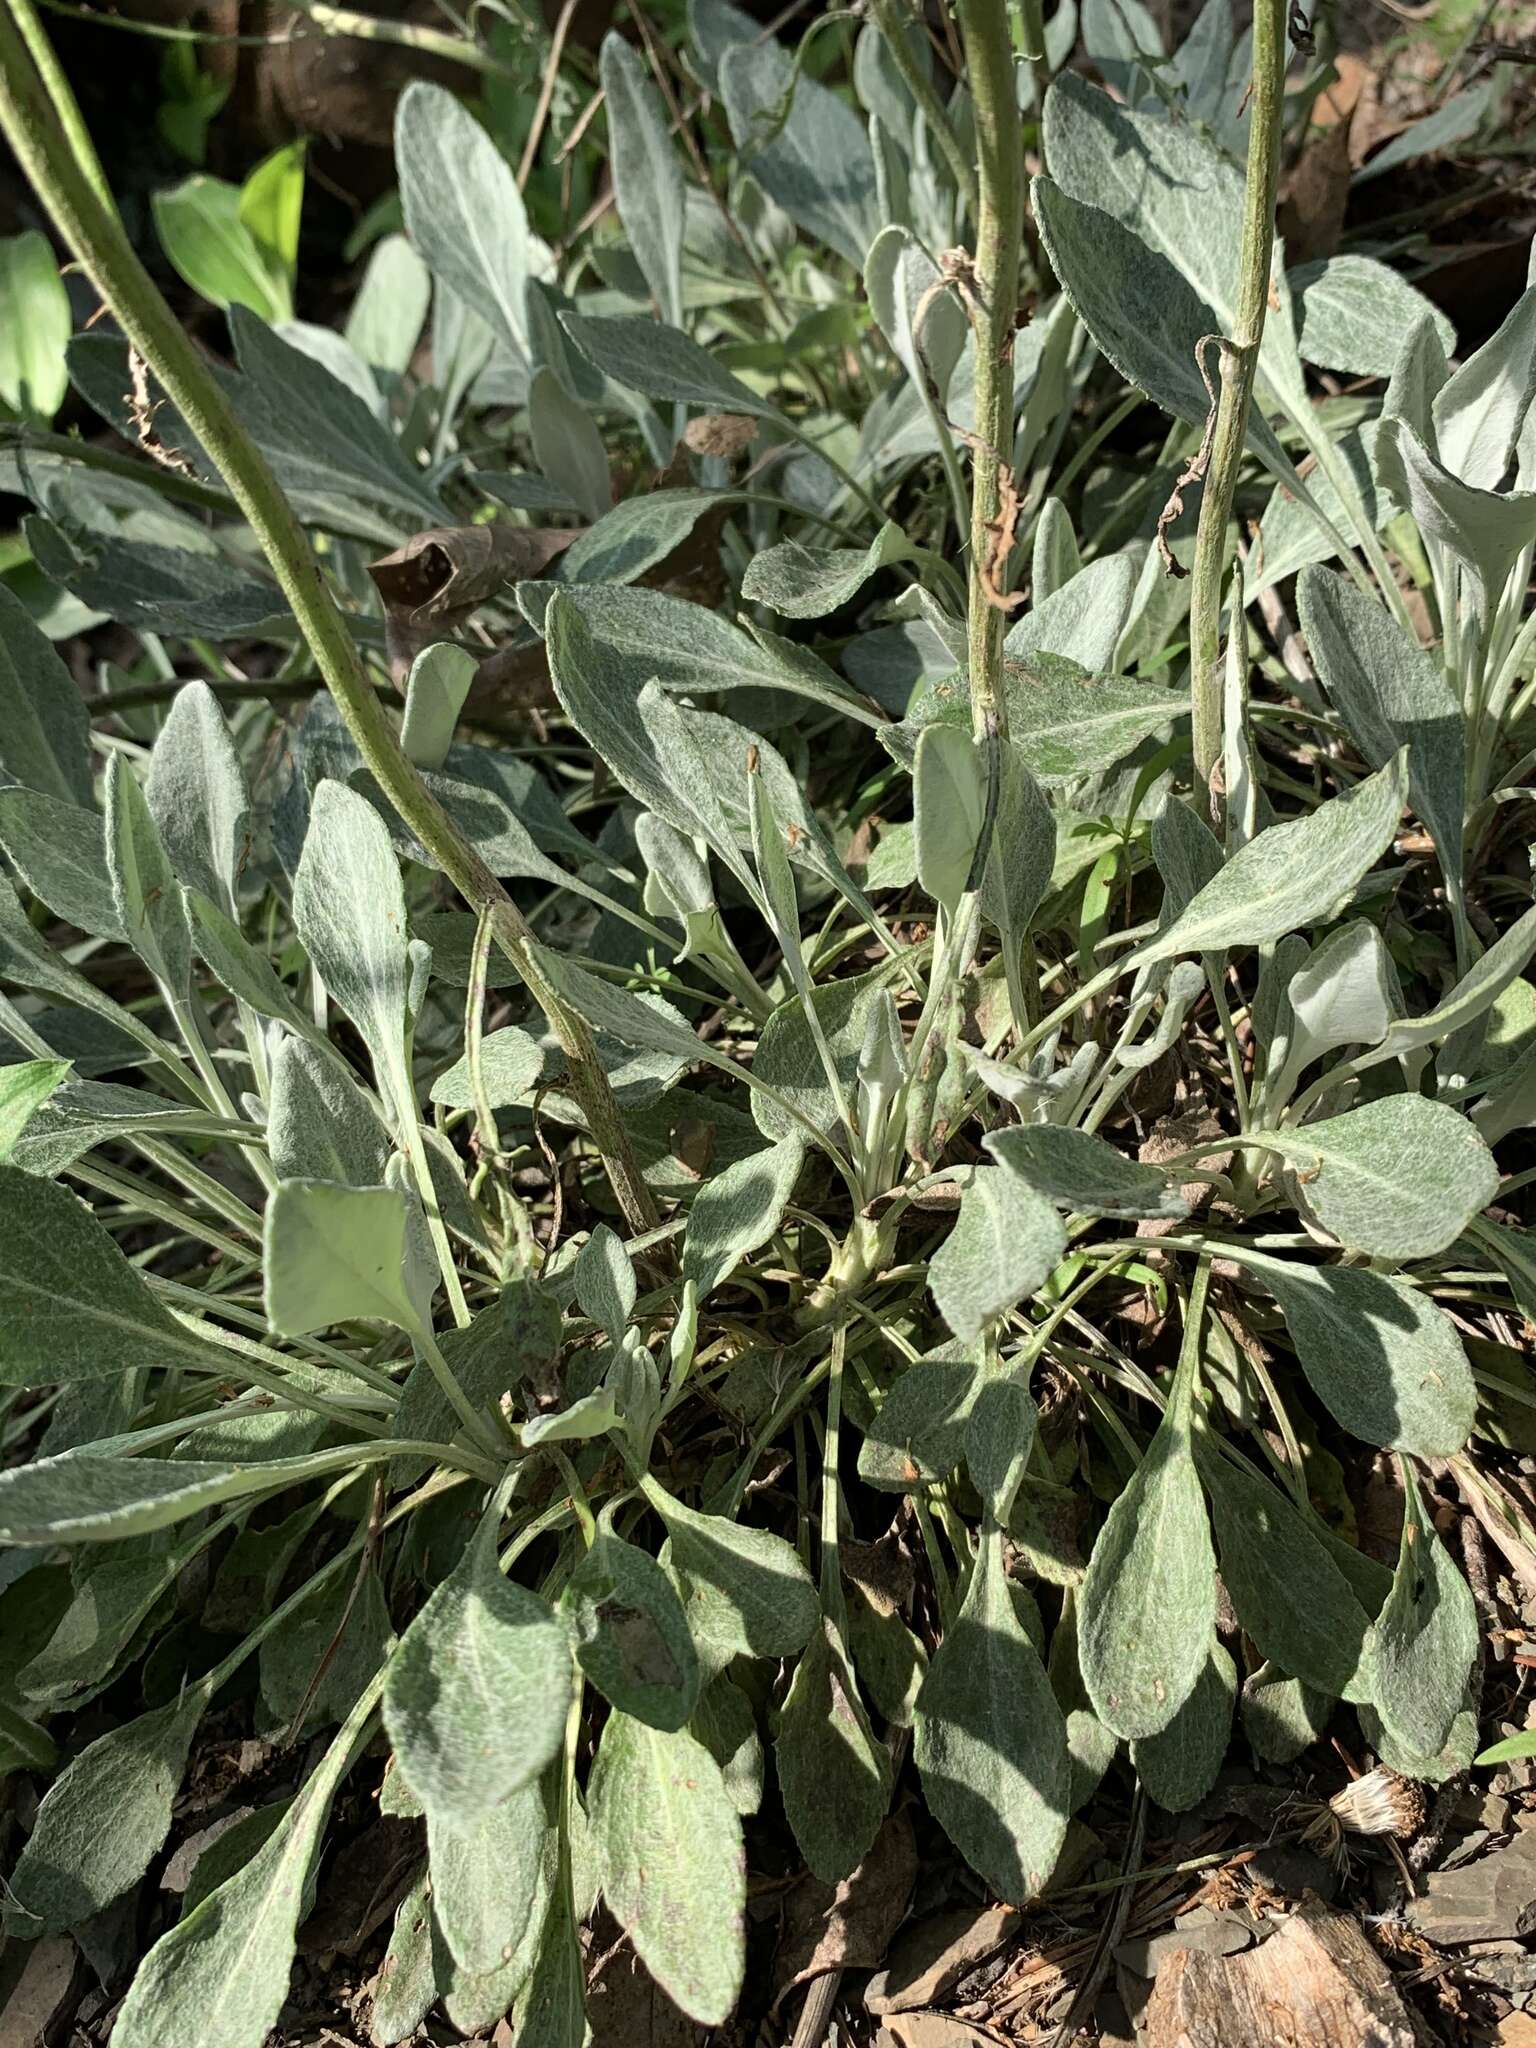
{"x":1380,"y":1803}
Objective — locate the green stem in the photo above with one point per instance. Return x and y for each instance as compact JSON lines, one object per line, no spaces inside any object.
{"x":65,"y":186}
{"x":984,"y":28}
{"x":893,"y":21}
{"x":1239,"y":366}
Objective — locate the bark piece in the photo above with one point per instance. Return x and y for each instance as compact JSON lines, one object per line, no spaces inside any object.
{"x":1493,"y":1898}
{"x":1315,"y":1983}
{"x":934,"y":1955}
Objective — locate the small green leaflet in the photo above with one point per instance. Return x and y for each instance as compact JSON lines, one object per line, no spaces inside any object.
{"x":990,"y":1740}
{"x":1426,"y":1638}
{"x":1147,"y":1605}
{"x":669,"y":1850}
{"x":197,"y":794}
{"x":476,"y":1694}
{"x":949,"y":800}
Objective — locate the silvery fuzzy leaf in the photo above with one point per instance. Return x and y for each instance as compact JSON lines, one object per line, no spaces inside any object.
{"x":835,"y":1777}
{"x":1188,"y":855}
{"x":1003,"y":1245}
{"x":486,"y":1868}
{"x":1144,"y":317}
{"x":1293,"y":874}
{"x":464,"y":213}
{"x":788,"y":1060}
{"x":356,"y":936}
{"x":435,"y":690}
{"x":1055,"y":559}
{"x":102,"y":1820}
{"x":1485,"y":530}
{"x":1480,"y":411}
{"x":999,"y":1435}
{"x":1289,"y":1593}
{"x":900,"y":279}
{"x":174,"y":582}
{"x":635,"y":535}
{"x":1023,"y":852}
{"x":762,"y":1599}
{"x":659,"y":361}
{"x":407,"y":1986}
{"x":1351,"y":310}
{"x":1181,"y":197}
{"x":150,"y":912}
{"x":1380,"y":1356}
{"x":1398,"y":1178}
{"x":1391,"y":693}
{"x":1178,"y":1766}
{"x":632,"y":1637}
{"x":25,"y":1089}
{"x":81,"y":1498}
{"x":568,"y":447}
{"x":1281,"y":1716}
{"x":1083,"y":620}
{"x":385,"y":319}
{"x":1083,"y":1173}
{"x":647,"y":173}
{"x":511,"y":1063}
{"x":1126,"y":45}
{"x":221,"y":1973}
{"x":990,"y":1741}
{"x":80,"y":1115}
{"x":1346,"y":994}
{"x":737,"y":1210}
{"x":320,"y":1124}
{"x":815,"y":161}
{"x":335,"y":1253}
{"x":27,"y":960}
{"x":918,"y":1433}
{"x":668,"y":1844}
{"x":605,"y":1281}
{"x":196,"y":791}
{"x":1209,"y":66}
{"x":1062,"y":724}
{"x":1290,"y":533}
{"x":1427,"y":1637}
{"x":475,"y":1696}
{"x":59,"y":851}
{"x":44,"y":725}
{"x":801,"y":582}
{"x":949,"y":795}
{"x":321,"y":439}
{"x":646,"y":636}
{"x":1452,"y":121}
{"x":1147,"y":1605}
